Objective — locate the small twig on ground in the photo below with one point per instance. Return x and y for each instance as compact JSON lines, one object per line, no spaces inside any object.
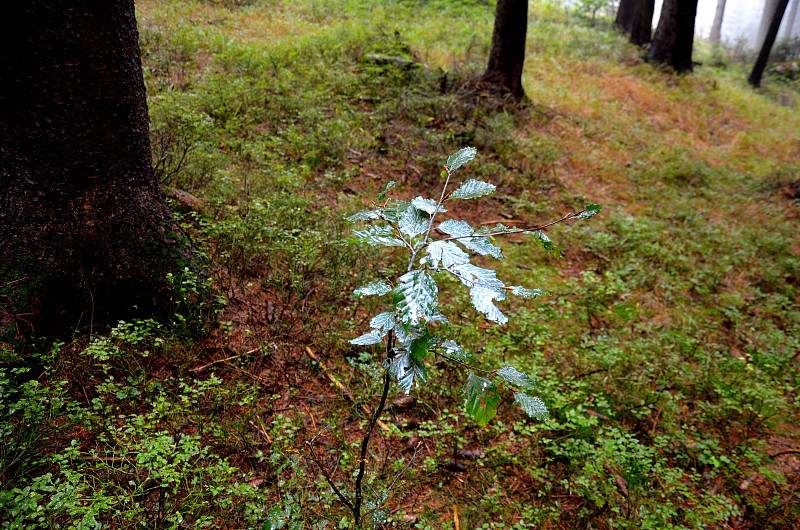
{"x":786,"y":452}
{"x":328,"y":477}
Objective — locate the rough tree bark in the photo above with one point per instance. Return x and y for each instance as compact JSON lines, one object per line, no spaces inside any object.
{"x":716,"y":26}
{"x":626,"y":13}
{"x":769,"y":39}
{"x":674,"y":37}
{"x":642,"y":31}
{"x":85,"y":234}
{"x":507,"y":56}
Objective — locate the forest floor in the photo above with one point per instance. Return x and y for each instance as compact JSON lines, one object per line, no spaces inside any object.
{"x":667,"y":349}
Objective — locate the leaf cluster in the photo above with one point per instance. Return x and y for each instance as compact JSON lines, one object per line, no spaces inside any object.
{"x":414,"y":318}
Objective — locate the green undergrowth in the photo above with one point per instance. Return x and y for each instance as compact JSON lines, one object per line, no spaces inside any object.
{"x":666,"y":350}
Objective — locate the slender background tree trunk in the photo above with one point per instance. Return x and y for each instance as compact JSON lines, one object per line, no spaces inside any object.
{"x":787,"y":33}
{"x":769,"y":39}
{"x":674,"y":37}
{"x":85,"y":234}
{"x":766,"y":18}
{"x":507,"y":56}
{"x":716,"y":26}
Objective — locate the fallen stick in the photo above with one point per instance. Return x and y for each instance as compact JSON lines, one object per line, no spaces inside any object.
{"x":345,"y":392}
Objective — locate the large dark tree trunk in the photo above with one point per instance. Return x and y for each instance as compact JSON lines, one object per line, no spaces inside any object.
{"x":769,"y":39}
{"x":504,"y":70}
{"x":625,"y":15}
{"x":85,"y":234}
{"x":674,"y":37}
{"x":642,"y":31}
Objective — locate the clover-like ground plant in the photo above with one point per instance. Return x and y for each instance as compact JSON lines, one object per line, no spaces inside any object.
{"x":413,"y":329}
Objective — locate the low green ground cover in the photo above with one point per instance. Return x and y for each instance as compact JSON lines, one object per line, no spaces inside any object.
{"x":666,"y":352}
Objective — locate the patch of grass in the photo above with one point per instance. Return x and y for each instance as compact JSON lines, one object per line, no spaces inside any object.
{"x":667,"y":350}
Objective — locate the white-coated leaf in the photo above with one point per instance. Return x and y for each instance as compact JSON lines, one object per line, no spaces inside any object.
{"x":414,"y":221}
{"x":527,"y":293}
{"x":383,"y":322}
{"x":401,"y":334}
{"x":471,"y":276}
{"x":515,"y":377}
{"x":418,"y":296}
{"x":363,"y":216}
{"x":408,"y":370}
{"x":473,"y":188}
{"x":378,"y":288}
{"x":372,"y":337}
{"x":533,"y":406}
{"x":456,"y":228}
{"x":378,"y":235}
{"x":461,"y":157}
{"x":589,"y":212}
{"x":454,"y":350}
{"x":462,"y":230}
{"x":437,"y":316}
{"x":447,"y":253}
{"x":482,"y":299}
{"x":426,"y":205}
{"x":482,"y":246}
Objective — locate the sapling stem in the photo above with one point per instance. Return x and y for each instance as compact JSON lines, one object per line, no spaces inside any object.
{"x":362,"y":465}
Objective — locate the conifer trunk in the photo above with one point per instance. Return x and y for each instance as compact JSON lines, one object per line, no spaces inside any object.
{"x":674,"y":37}
{"x":85,"y":234}
{"x":507,"y":56}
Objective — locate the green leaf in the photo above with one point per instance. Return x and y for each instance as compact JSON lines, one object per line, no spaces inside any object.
{"x":394,"y":211}
{"x":368,"y":338}
{"x":527,"y":293}
{"x":480,"y":399}
{"x":545,"y":242}
{"x":383,"y":322}
{"x":416,"y":296}
{"x":461,"y":157}
{"x":515,"y":377}
{"x":421,"y":341}
{"x":408,"y":370}
{"x":472,"y":189}
{"x":447,"y":253}
{"x":533,"y":406}
{"x":378,"y":235}
{"x":589,"y":212}
{"x":426,"y":205}
{"x":378,"y":288}
{"x":382,"y":195}
{"x":454,"y":350}
{"x":364,"y":215}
